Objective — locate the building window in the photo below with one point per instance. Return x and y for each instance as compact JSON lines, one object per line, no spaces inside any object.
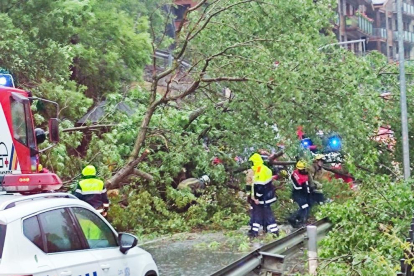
{"x":406,"y":26}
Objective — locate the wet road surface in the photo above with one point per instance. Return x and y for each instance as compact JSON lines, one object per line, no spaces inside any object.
{"x":190,"y":255}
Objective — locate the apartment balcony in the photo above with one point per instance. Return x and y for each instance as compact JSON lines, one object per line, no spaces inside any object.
{"x":359,"y":2}
{"x":379,"y":34}
{"x":407,"y":9}
{"x":359,"y":23}
{"x":407,"y":37}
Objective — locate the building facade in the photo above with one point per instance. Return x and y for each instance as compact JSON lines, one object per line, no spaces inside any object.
{"x":375,"y":21}
{"x":182,"y":6}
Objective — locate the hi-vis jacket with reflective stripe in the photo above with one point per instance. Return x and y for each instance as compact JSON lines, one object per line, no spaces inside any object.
{"x":262,"y":174}
{"x":92,"y":190}
{"x":300,"y":182}
{"x":262,"y":181}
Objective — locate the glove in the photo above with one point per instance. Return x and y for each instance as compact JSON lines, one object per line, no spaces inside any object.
{"x":283,"y":173}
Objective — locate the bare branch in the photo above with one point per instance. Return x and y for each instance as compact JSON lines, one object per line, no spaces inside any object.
{"x":216,"y":13}
{"x":165,"y":26}
{"x":197,"y":6}
{"x":87,"y":127}
{"x":240,"y":44}
{"x":114,"y":181}
{"x":196,"y":113}
{"x":224,"y":79}
{"x":139,"y":173}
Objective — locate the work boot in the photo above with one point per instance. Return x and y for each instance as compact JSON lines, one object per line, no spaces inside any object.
{"x":252,"y":234}
{"x":276,"y":234}
{"x":294,"y":222}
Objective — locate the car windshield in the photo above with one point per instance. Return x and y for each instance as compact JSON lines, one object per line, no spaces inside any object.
{"x":2,"y":237}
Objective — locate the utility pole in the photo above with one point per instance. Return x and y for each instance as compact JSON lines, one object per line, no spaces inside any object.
{"x":403,"y":99}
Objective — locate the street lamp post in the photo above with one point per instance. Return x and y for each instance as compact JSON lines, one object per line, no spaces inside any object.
{"x":403,"y":99}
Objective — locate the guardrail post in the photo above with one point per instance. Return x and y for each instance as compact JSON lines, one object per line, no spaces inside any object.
{"x":312,"y":249}
{"x":408,"y":253}
{"x":403,"y":266}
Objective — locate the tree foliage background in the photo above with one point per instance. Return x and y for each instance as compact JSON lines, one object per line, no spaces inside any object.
{"x":79,"y":53}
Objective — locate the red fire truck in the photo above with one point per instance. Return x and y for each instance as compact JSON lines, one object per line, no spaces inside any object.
{"x":20,"y":170}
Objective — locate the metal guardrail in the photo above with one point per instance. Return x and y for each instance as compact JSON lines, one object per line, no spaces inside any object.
{"x":166,"y":56}
{"x":270,"y":257}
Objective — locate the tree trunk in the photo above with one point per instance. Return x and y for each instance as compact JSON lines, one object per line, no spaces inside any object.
{"x":115,"y":180}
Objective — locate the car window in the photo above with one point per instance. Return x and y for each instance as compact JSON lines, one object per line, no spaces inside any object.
{"x":97,"y":232}
{"x":60,"y":233}
{"x":31,"y":230}
{"x":2,"y":238}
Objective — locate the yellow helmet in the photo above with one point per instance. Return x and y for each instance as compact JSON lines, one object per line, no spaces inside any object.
{"x":319,"y":157}
{"x":89,"y":171}
{"x":301,"y":165}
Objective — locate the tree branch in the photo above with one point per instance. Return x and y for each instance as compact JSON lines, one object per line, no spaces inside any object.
{"x":114,"y":181}
{"x":224,"y":79}
{"x":216,"y":13}
{"x":87,"y":127}
{"x":139,"y":173}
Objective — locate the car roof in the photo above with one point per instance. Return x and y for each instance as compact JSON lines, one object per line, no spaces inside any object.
{"x":16,"y":206}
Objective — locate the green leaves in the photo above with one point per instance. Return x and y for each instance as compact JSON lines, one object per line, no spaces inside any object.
{"x":367,"y":228}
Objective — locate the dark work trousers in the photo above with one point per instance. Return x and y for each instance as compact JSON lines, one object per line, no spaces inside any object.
{"x":302,"y":214}
{"x":317,"y":198}
{"x":251,"y":214}
{"x":269,"y":221}
{"x":262,"y":215}
{"x":256,"y":219}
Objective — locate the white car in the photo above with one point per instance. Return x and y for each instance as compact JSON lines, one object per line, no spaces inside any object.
{"x":56,"y":234}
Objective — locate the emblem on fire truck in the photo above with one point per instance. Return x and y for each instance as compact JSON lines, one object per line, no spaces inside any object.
{"x":4,"y":154}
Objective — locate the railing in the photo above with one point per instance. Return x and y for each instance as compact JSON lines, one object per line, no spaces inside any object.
{"x":359,"y":22}
{"x":270,"y":258}
{"x":408,"y":9}
{"x":379,"y":32}
{"x":407,"y":36}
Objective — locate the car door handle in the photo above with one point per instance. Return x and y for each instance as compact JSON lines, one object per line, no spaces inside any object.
{"x":105,"y":267}
{"x":66,"y":273}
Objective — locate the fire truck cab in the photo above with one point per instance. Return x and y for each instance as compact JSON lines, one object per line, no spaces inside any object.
{"x":20,"y":170}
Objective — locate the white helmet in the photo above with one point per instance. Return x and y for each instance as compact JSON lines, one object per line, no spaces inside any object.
{"x":205,"y":178}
